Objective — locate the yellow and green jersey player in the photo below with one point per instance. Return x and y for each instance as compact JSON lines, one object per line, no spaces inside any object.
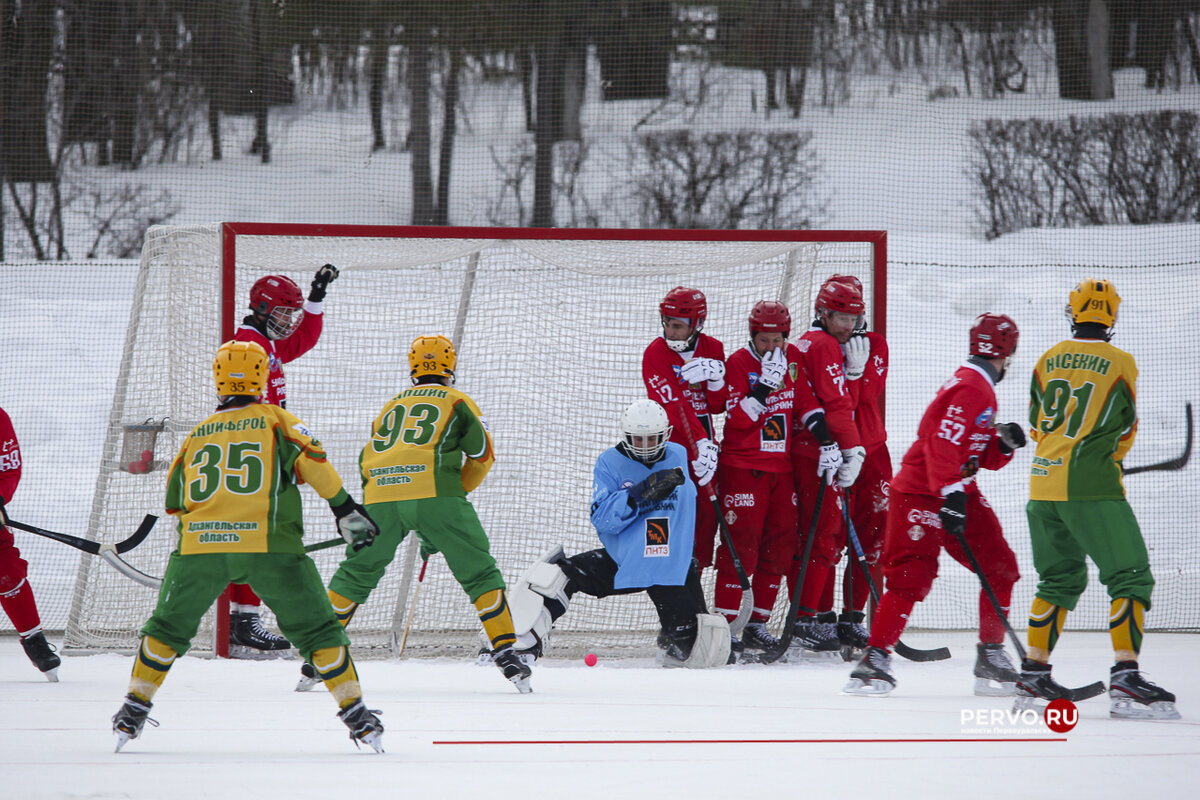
{"x":429,"y":448}
{"x":1083,"y":416}
{"x":234,"y":491}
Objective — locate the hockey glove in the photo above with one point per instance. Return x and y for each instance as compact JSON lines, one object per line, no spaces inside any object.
{"x":320,"y":282}
{"x":656,"y":486}
{"x":829,"y":463}
{"x":774,"y":368}
{"x":354,"y":524}
{"x":710,"y":370}
{"x":852,"y":461}
{"x":705,"y":465}
{"x":855,"y":353}
{"x":1012,"y":436}
{"x":954,"y":513}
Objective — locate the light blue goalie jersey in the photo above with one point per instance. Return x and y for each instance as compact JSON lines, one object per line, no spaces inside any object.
{"x":652,"y":545}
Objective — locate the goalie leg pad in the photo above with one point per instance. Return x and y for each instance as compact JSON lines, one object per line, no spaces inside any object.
{"x":712,"y":642}
{"x":543,"y":584}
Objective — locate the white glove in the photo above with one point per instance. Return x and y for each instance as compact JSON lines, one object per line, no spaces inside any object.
{"x":711,"y":370}
{"x":774,"y":367}
{"x":751,"y":407}
{"x":855,"y":353}
{"x":705,"y":465}
{"x":852,"y":461}
{"x":829,"y":463}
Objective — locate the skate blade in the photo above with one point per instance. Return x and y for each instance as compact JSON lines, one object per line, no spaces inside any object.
{"x":798,"y":654}
{"x":242,"y":652}
{"x":375,"y":740}
{"x":851,"y":653}
{"x":51,"y":675}
{"x":986,"y":687}
{"x":871,"y":688}
{"x":305,"y":684}
{"x":122,"y":740}
{"x":1024,"y":702}
{"x":522,"y":684}
{"x":1129,"y":709}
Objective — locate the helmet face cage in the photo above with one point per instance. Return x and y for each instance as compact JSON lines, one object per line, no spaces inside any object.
{"x":432,"y":355}
{"x":770,"y":316}
{"x":283,"y":321}
{"x":279,"y":300}
{"x":240,"y":368}
{"x":645,"y":430}
{"x":1094,"y":301}
{"x":994,"y":336}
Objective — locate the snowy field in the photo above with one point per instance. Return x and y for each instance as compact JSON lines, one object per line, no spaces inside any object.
{"x":620,"y":729}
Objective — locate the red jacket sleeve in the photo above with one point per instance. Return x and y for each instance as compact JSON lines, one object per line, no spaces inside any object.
{"x":823,"y":363}
{"x":303,"y":340}
{"x":10,"y":458}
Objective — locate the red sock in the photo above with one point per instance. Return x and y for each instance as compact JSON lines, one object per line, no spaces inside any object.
{"x":766,"y":588}
{"x":890,"y":618}
{"x":727,"y":595}
{"x":991,"y":629}
{"x":21,"y":608}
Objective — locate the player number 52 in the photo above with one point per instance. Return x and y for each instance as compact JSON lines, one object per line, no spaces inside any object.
{"x":952,"y":431}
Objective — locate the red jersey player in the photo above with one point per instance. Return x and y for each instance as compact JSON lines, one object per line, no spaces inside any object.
{"x":767,"y":391}
{"x":287,"y":327}
{"x":934,"y":497}
{"x":839,"y":310}
{"x":684,"y":372}
{"x":16,"y":595}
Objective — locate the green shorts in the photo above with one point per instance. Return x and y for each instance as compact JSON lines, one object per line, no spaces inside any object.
{"x":287,"y":582}
{"x":447,"y":525}
{"x":1065,"y":533}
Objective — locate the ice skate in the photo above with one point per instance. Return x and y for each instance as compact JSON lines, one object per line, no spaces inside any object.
{"x":995,"y":675}
{"x":308,"y":677}
{"x":42,"y":654}
{"x":816,"y":638}
{"x":514,"y":668}
{"x":1134,"y":697}
{"x":755,"y":636}
{"x":248,"y":639}
{"x":737,"y":650}
{"x":130,"y":719}
{"x":872,"y":677}
{"x":852,"y":635}
{"x":364,"y":726}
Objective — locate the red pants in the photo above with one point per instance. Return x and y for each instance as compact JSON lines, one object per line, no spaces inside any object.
{"x":829,"y":537}
{"x":760,"y":510}
{"x":868,"y":500}
{"x":16,"y":595}
{"x":913,"y":542}
{"x":706,"y":525}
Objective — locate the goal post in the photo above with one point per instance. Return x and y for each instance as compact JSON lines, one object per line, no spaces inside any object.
{"x":550,"y":326}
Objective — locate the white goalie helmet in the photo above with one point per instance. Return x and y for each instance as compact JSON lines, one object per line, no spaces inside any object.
{"x":645,"y":429}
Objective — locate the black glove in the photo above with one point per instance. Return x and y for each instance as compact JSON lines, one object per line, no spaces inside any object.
{"x":656,"y":486}
{"x":355,"y":525}
{"x":1012,"y":437}
{"x":325,"y":276}
{"x":954,"y":513}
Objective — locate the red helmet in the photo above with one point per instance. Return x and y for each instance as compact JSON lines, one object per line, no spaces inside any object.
{"x":994,"y":336}
{"x":685,"y":303}
{"x":770,"y":316}
{"x":272,"y":291}
{"x":840,"y":294}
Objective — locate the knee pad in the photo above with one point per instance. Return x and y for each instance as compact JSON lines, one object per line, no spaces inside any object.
{"x":539,"y":597}
{"x":711,"y":648}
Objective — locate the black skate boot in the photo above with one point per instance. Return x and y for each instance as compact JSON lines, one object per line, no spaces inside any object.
{"x":308,"y":677}
{"x":514,"y":668}
{"x":852,"y":635}
{"x":42,"y":654}
{"x":755,"y":636}
{"x":1134,"y":697}
{"x":817,"y":635}
{"x":130,"y":719}
{"x":872,"y":676}
{"x":364,"y":726}
{"x":736,"y":650}
{"x":1034,"y":684}
{"x":995,"y":675}
{"x":249,"y":639}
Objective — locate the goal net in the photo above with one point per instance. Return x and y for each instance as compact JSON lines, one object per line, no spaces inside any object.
{"x":550,"y":326}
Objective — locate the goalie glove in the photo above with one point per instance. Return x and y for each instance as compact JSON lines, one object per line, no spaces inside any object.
{"x":953,"y":513}
{"x":1012,"y":437}
{"x":709,"y":370}
{"x":829,"y":463}
{"x":656,"y":486}
{"x":355,"y":525}
{"x":852,"y":461}
{"x":855,"y":353}
{"x":774,"y":368}
{"x":705,"y":465}
{"x":320,"y":282}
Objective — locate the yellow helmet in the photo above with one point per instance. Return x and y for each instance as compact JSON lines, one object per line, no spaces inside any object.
{"x":240,"y":368}
{"x":1094,"y":301}
{"x":432,"y":355}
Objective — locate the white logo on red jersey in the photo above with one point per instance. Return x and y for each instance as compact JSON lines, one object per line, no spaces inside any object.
{"x":730,"y":517}
{"x":923,"y":517}
{"x":739,"y":500}
{"x":916,"y":532}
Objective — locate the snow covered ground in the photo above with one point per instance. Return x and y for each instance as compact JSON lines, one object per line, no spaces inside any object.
{"x":620,"y":729}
